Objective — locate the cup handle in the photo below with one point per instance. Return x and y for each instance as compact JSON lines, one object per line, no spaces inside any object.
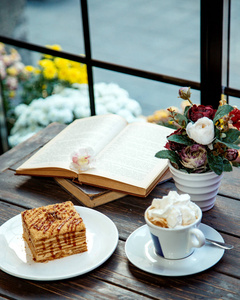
{"x":197,"y":238}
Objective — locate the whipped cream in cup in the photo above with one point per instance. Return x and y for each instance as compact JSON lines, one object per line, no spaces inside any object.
{"x":173,"y":222}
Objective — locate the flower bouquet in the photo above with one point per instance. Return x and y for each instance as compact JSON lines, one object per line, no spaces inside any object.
{"x":206,"y":139}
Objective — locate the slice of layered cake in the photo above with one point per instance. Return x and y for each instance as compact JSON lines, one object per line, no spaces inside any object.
{"x":54,"y":231}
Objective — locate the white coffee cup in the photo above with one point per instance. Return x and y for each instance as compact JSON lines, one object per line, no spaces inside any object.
{"x":176,"y":243}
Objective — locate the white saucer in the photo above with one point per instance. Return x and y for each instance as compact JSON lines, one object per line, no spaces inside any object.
{"x":140,"y":251}
{"x":16,"y":259}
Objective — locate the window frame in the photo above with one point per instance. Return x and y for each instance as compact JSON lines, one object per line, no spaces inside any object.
{"x":214,"y":55}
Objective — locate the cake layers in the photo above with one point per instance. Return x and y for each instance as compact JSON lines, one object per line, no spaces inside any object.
{"x":58,"y":247}
{"x":54,"y":231}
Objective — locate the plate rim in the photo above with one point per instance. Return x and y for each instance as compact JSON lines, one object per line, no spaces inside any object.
{"x":144,"y":227}
{"x":115,"y":240}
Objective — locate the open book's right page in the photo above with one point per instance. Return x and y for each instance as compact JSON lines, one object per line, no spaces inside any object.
{"x":130,"y":157}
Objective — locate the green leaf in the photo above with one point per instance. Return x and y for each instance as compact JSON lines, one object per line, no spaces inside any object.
{"x":166,"y":124}
{"x":236,"y":164}
{"x":237,"y":141}
{"x":181,"y":139}
{"x":215,"y":163}
{"x":217,"y":133}
{"x":227,"y":166}
{"x":168,"y":154}
{"x":231,"y":136}
{"x":229,"y":145}
{"x":182,"y":120}
{"x":222,"y":111}
{"x":186,"y":111}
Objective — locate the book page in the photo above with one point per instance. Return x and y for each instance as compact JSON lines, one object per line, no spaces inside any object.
{"x":130,"y":157}
{"x":95,"y":132}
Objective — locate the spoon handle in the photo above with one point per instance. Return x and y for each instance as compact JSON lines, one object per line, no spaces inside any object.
{"x":220,"y":244}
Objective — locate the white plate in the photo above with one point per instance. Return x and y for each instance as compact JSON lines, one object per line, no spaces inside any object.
{"x":140,"y":251}
{"x":16,"y":259}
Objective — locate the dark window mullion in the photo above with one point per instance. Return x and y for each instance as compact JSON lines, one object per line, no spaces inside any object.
{"x":103,"y":64}
{"x":211,"y":51}
{"x":226,"y":44}
{"x":87,"y":45}
{"x":145,"y":74}
{"x":232,"y":92}
{"x":41,"y":49}
{"x":3,"y":124}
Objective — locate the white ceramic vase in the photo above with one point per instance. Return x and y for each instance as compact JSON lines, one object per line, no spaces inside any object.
{"x":202,"y":188}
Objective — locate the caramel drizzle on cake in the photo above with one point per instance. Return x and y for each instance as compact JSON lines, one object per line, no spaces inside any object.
{"x":54,"y":231}
{"x":47,"y":222}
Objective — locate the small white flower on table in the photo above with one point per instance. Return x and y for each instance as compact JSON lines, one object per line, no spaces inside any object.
{"x":83,"y":159}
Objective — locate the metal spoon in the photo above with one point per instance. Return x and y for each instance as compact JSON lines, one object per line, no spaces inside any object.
{"x":220,"y":244}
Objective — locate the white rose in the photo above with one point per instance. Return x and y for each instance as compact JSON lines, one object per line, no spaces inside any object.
{"x":202,"y":132}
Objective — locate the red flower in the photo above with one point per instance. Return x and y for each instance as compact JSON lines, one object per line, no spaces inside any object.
{"x":231,"y":154}
{"x":235,"y":118}
{"x":199,"y":111}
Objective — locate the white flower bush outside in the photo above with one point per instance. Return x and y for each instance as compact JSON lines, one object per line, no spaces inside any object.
{"x":70,"y":104}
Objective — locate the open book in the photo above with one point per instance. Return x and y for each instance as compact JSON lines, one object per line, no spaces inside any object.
{"x":125,"y":154}
{"x":92,"y":196}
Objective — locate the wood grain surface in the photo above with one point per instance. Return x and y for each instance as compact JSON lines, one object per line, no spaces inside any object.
{"x":117,"y":278}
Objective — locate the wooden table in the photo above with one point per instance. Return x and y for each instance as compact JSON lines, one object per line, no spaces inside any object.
{"x":117,"y":278}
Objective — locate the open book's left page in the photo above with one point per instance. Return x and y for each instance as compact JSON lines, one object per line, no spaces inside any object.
{"x":95,"y":132}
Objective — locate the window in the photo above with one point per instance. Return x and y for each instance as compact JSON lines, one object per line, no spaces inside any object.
{"x":150,"y":48}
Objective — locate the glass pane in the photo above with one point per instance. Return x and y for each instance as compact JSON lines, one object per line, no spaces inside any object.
{"x":234,"y":76}
{"x":51,"y":89}
{"x":44,"y":22}
{"x":234,"y":101}
{"x":150,"y":95}
{"x":155,"y":35}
